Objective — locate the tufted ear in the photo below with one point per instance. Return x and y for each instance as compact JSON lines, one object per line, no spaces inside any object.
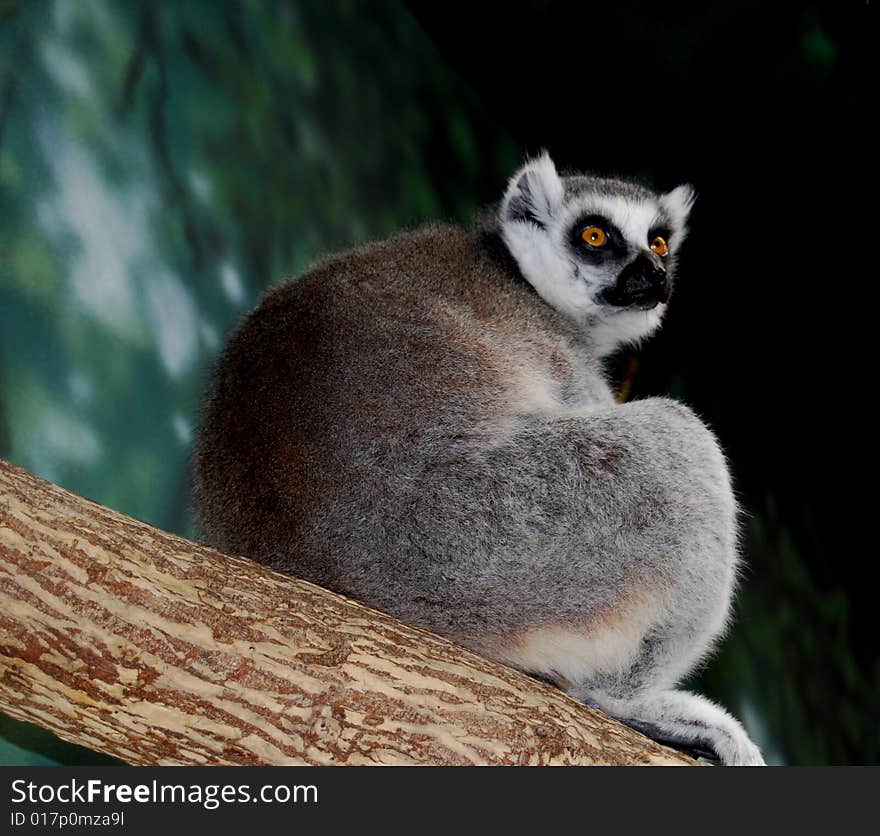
{"x":678,"y":204}
{"x":534,"y":193}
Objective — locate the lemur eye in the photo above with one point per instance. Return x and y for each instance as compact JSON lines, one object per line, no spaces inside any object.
{"x":595,"y":236}
{"x":659,"y":245}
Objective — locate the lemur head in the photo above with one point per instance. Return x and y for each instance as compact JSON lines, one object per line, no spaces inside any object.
{"x":600,"y":251}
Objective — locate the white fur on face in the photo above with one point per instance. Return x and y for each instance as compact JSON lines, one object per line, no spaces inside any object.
{"x":535,"y":220}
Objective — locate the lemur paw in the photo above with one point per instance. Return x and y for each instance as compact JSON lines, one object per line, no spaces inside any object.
{"x":686,"y":722}
{"x":739,"y":751}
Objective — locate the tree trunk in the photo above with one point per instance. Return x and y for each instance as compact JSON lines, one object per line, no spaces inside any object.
{"x":157,"y":650}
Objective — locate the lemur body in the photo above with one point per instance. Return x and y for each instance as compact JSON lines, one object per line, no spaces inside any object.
{"x":424,"y":424}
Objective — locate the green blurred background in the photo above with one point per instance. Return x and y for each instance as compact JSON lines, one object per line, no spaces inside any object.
{"x":161,"y":163}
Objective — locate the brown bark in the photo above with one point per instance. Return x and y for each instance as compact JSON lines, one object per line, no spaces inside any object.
{"x":157,"y":650}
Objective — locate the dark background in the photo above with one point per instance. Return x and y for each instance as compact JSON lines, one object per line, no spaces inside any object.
{"x":161,"y":163}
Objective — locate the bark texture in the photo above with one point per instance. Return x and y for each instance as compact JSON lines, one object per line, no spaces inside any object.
{"x":146,"y":646}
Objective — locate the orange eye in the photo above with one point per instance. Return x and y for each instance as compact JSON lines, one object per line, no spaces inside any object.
{"x":594,"y":236}
{"x":659,"y":246}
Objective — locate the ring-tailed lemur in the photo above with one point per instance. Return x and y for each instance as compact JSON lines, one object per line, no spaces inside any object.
{"x":424,"y":424}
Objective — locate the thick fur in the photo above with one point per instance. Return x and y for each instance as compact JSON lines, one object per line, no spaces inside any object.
{"x":410,"y":423}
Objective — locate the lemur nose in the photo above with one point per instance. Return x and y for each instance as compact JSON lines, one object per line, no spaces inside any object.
{"x":642,"y":284}
{"x":660,"y":283}
{"x":643,"y":275}
{"x":651,"y":264}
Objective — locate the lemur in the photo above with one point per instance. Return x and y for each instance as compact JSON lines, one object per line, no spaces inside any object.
{"x":425,"y":424}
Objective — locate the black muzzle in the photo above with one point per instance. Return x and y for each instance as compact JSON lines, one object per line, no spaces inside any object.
{"x":642,"y":285}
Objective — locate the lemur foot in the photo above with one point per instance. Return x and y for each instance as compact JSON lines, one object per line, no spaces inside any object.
{"x":689,"y":748}
{"x":684,"y":721}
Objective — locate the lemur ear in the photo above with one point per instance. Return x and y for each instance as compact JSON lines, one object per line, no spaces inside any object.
{"x":534,"y":193}
{"x":678,"y":203}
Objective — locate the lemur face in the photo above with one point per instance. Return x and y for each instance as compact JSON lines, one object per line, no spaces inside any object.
{"x":600,"y":251}
{"x":621,"y":250}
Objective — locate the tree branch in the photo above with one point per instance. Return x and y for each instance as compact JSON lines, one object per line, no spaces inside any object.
{"x":156,"y":650}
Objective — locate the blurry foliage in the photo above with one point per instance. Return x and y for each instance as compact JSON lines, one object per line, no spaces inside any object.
{"x":788,"y":666}
{"x":161,"y":163}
